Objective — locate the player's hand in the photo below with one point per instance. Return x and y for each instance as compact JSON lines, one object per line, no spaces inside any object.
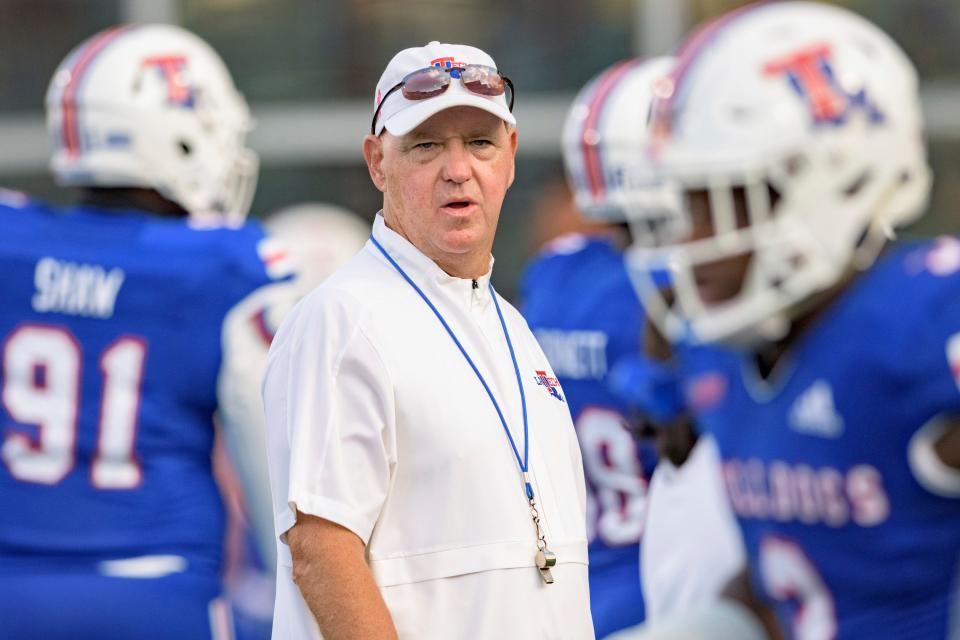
{"x":651,"y":386}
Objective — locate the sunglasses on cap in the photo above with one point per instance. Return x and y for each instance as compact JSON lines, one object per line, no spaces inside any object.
{"x":430,"y":82}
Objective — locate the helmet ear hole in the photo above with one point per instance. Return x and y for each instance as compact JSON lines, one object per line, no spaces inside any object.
{"x":794,"y":165}
{"x":858,"y":184}
{"x":185,"y":147}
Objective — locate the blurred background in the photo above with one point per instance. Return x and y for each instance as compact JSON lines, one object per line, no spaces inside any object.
{"x":309,"y":67}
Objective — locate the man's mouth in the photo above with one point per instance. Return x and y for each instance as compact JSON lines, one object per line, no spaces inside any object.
{"x":459,"y":206}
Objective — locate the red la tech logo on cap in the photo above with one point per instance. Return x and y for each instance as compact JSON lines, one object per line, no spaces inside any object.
{"x":810,"y":73}
{"x":448,"y":63}
{"x":551,"y":384}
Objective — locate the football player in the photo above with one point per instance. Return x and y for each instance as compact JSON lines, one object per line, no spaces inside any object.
{"x":120,"y":328}
{"x":691,"y":544}
{"x":829,"y":371}
{"x":680,"y":564}
{"x":318,"y":237}
{"x":578,"y":299}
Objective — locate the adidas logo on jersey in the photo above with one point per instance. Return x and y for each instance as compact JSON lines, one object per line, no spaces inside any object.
{"x":813,"y":412}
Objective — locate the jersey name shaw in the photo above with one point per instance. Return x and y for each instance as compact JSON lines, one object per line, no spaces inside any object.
{"x":75,"y":289}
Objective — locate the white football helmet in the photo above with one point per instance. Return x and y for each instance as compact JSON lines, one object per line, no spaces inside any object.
{"x":153,"y":106}
{"x":814,"y":112}
{"x":605,"y":133}
{"x":320,"y":238}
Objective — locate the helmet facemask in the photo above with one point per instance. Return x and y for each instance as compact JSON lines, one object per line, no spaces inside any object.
{"x":799,"y":232}
{"x":801,"y":124}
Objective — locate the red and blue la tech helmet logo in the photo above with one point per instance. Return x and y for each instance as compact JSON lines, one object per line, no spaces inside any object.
{"x":173,"y":70}
{"x":550,"y":383}
{"x":810,"y":73}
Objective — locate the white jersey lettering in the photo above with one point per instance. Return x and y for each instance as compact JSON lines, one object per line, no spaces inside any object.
{"x":801,"y":493}
{"x":75,"y":289}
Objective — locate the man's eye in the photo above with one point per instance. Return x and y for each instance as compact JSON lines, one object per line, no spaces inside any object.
{"x":425,"y":145}
{"x":482,"y":142}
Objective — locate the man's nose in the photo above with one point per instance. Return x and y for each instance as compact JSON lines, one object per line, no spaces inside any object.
{"x":457,"y":165}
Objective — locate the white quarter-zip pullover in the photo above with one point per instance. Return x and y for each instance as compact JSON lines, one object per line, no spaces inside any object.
{"x":377,"y":422}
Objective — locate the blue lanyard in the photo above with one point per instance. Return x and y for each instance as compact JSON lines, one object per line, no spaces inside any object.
{"x":522,"y":461}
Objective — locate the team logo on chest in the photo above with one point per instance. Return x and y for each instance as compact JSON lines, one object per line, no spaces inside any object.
{"x":551,"y":384}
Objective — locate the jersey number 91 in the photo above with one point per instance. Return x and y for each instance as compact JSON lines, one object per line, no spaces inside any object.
{"x":42,"y":377}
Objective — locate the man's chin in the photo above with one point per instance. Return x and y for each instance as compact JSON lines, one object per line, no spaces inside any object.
{"x":463,"y":244}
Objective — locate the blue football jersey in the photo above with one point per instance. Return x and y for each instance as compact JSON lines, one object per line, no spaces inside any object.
{"x":577,"y":298}
{"x":850,"y":531}
{"x":111,"y":336}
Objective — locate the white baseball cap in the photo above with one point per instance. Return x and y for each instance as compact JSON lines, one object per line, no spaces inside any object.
{"x":400,"y":115}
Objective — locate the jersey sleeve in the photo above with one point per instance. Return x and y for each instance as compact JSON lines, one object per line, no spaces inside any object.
{"x":330,"y":417}
{"x":931,"y":353}
{"x":256,"y":260}
{"x":931,"y":366}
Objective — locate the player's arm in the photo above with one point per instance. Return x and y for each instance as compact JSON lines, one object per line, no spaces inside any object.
{"x":739,"y":590}
{"x":330,"y":569}
{"x":947,"y":447}
{"x":245,"y":342}
{"x":676,"y":434}
{"x":651,"y":383}
{"x":934,"y":455}
{"x":932,"y":376}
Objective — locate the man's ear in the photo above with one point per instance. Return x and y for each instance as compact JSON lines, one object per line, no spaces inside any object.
{"x":373,"y":155}
{"x":512,"y":132}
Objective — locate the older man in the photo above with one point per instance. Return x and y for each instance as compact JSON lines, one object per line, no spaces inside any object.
{"x":426,"y":475}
